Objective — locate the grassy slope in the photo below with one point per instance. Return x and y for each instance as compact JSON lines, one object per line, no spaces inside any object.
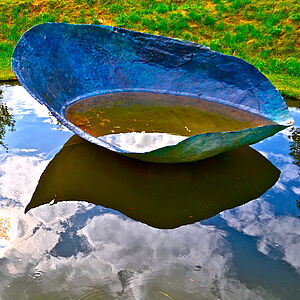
{"x":261,"y":32}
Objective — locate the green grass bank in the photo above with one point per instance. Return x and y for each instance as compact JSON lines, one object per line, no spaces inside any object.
{"x":264,"y":33}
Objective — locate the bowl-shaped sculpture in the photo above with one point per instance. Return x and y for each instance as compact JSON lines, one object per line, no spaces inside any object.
{"x":149,"y":97}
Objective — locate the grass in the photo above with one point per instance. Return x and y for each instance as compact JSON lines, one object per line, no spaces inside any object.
{"x":261,"y":32}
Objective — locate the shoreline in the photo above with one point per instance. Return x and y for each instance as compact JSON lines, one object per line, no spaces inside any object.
{"x":8,"y":80}
{"x":291,"y":101}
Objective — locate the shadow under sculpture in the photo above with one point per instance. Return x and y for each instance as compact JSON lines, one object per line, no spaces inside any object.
{"x":64,"y":64}
{"x":160,"y":195}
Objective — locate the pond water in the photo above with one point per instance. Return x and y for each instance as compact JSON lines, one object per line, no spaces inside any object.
{"x":102,"y":226}
{"x":152,"y":121}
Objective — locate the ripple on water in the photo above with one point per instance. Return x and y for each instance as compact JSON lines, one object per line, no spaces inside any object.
{"x":38,"y":276}
{"x":92,"y":294}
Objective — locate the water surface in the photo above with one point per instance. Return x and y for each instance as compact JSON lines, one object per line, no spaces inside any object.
{"x":143,"y":121}
{"x":100,"y":242}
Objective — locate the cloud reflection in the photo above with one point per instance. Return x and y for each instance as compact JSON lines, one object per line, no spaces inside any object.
{"x":19,"y":176}
{"x":278,"y":236}
{"x":128,"y":259}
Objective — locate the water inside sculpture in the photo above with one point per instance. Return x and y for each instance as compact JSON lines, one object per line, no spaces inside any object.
{"x":143,"y":121}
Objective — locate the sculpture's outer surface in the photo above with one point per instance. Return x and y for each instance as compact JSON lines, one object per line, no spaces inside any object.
{"x":59,"y":64}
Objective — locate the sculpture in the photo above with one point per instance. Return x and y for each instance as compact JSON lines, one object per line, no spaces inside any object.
{"x":64,"y":65}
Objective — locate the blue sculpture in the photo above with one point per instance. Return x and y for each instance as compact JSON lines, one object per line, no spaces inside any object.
{"x":60,"y":64}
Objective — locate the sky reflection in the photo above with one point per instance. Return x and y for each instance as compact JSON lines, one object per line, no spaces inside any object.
{"x":78,"y":250}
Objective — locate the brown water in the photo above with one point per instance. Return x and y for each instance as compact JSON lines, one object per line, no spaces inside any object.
{"x":127,"y":112}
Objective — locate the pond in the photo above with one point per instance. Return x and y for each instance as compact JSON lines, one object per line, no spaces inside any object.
{"x":102,"y":226}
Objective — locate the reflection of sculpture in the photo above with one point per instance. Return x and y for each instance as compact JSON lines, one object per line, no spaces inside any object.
{"x":60,"y":64}
{"x":161,"y":195}
{"x":6,"y":119}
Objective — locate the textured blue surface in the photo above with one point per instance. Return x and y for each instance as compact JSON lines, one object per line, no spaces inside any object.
{"x":59,"y":64}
